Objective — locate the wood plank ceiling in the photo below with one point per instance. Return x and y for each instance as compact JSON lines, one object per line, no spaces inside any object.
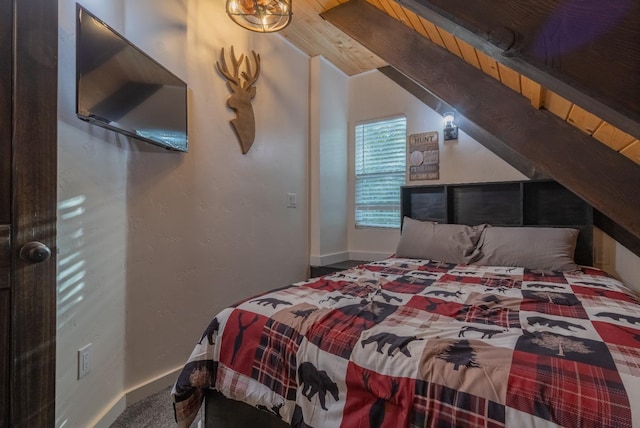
{"x":315,"y":36}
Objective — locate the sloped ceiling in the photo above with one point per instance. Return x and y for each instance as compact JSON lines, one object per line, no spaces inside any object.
{"x":315,"y":36}
{"x":490,"y":43}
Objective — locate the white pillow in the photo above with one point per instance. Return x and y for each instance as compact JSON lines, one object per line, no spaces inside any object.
{"x":545,"y":248}
{"x":451,"y":243}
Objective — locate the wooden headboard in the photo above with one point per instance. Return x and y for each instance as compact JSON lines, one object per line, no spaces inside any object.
{"x":513,"y":203}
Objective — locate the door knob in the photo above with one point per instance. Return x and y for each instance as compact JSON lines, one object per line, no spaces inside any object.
{"x":35,"y":252}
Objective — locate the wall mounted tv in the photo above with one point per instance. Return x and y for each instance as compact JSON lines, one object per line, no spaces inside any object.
{"x":121,"y":88}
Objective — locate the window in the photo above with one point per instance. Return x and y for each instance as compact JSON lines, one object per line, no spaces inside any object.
{"x":380,"y":171}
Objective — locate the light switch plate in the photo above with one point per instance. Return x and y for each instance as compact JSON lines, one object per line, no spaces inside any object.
{"x":292,"y":198}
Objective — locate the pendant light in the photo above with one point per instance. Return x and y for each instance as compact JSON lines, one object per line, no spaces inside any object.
{"x":262,"y":16}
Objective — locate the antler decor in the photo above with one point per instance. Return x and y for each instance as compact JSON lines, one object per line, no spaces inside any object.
{"x":242,"y":92}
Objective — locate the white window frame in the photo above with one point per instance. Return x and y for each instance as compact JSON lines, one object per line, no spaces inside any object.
{"x":381,"y":210}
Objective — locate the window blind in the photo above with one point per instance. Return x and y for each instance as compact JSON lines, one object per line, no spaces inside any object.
{"x":380,"y":161}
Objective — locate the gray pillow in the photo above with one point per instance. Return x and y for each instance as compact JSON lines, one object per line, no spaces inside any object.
{"x":451,"y":243}
{"x":545,"y":248}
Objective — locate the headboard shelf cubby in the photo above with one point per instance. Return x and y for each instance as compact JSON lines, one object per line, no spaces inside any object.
{"x":543,"y":203}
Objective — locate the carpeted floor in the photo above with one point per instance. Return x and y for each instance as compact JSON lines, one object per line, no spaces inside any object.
{"x":155,"y":411}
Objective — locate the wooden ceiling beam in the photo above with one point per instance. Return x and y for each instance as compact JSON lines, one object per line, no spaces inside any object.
{"x":601,"y":176}
{"x":587,"y":52}
{"x":476,"y":132}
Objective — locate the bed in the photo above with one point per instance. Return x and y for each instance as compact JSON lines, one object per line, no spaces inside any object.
{"x":422,"y":342}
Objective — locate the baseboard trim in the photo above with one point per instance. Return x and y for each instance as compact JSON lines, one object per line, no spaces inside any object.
{"x":109,"y":415}
{"x":367,"y":255}
{"x":152,"y":386}
{"x":328,"y":259}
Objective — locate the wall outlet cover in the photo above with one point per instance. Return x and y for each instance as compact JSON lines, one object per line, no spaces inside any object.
{"x":84,"y":360}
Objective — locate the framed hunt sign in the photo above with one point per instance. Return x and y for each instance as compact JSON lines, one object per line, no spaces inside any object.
{"x":423,"y":156}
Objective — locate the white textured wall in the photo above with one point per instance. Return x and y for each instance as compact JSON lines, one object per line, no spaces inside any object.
{"x":328,"y":163}
{"x":92,"y":241}
{"x":153,"y":243}
{"x":372,"y":96}
{"x":211,"y":227}
{"x":616,"y":259}
{"x":624,"y":265}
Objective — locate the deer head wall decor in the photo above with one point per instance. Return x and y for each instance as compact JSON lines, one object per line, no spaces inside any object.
{"x":242,"y":92}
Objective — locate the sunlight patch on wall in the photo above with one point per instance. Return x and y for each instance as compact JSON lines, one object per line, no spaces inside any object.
{"x":71,"y":268}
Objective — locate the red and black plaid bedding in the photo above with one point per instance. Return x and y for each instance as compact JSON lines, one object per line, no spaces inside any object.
{"x":415,"y":343}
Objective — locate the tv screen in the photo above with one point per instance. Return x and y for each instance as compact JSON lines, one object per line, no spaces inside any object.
{"x":121,"y":88}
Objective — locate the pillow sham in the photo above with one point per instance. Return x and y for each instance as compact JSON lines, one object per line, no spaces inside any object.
{"x":545,"y":248}
{"x":451,"y":243}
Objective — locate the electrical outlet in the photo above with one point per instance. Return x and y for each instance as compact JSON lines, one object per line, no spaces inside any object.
{"x":291,"y":197}
{"x":84,"y":360}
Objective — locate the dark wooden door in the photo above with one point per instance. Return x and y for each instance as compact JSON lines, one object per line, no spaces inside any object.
{"x":28,"y":150}
{"x":5,"y":207}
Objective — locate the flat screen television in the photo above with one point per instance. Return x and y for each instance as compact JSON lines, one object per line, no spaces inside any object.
{"x":121,"y":88}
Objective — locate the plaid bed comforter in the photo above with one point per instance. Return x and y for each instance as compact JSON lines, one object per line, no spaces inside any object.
{"x":416,"y":343}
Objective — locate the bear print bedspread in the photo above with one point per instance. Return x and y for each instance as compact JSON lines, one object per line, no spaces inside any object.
{"x":418,"y":343}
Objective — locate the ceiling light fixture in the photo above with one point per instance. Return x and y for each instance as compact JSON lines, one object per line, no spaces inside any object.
{"x":262,"y":16}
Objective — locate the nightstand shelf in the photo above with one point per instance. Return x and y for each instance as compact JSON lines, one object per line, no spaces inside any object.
{"x":335,"y":267}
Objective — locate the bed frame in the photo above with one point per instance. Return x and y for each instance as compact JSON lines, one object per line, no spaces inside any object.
{"x":222,"y":412}
{"x":515,"y":203}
